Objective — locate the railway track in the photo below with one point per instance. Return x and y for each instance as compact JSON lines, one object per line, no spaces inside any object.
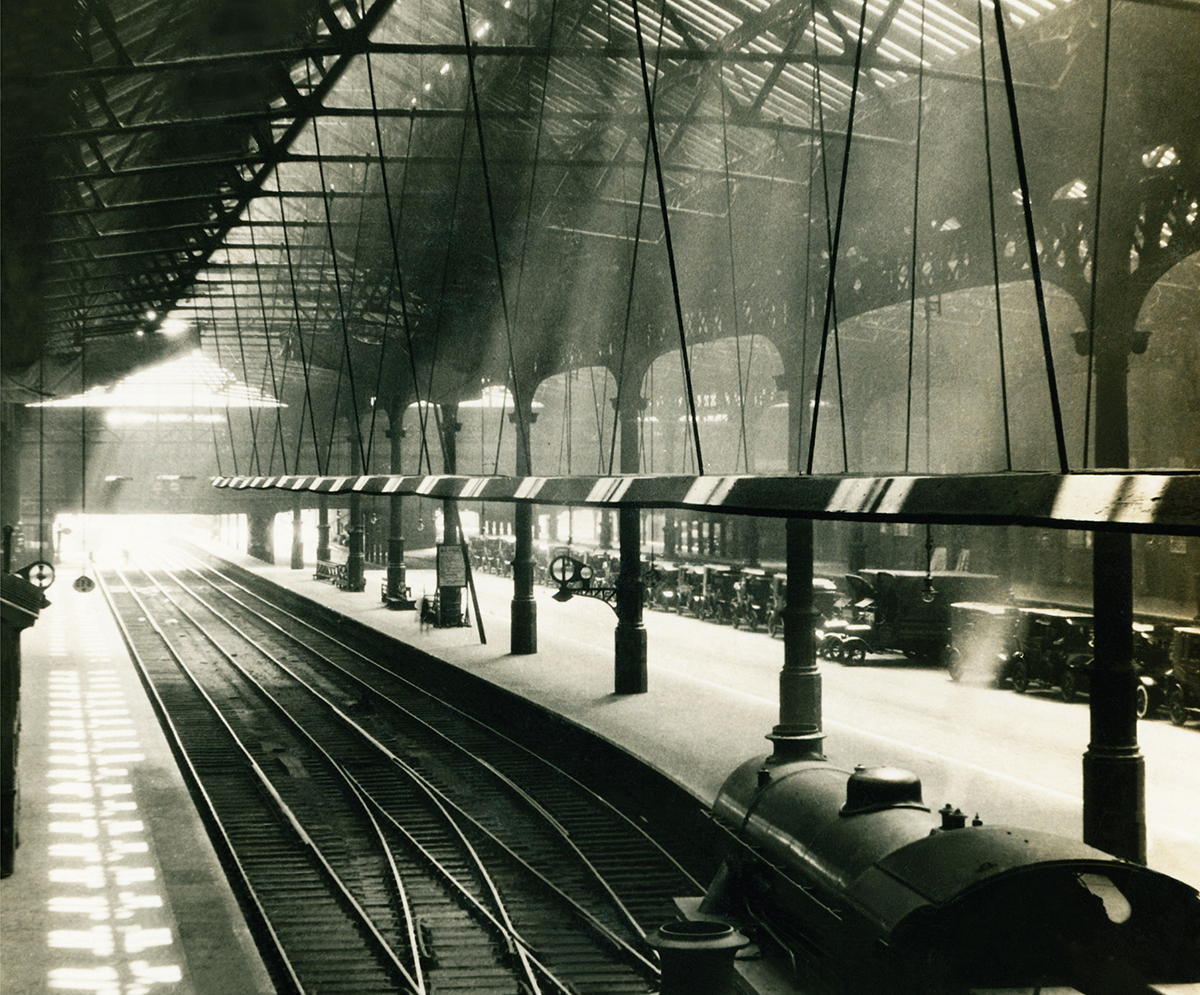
{"x":382,"y":839}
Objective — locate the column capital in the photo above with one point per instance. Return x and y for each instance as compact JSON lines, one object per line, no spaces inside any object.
{"x":1133,"y":342}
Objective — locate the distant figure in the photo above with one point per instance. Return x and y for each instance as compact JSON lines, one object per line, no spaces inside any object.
{"x":427,"y":611}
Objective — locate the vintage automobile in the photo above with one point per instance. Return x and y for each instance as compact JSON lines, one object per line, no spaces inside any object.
{"x":1054,"y":651}
{"x":843,"y":640}
{"x":1183,"y":692}
{"x":753,"y":603}
{"x":905,"y":611}
{"x":1152,"y":662}
{"x":983,"y":641}
{"x":824,"y":598}
{"x":720,"y":592}
{"x":661,"y":579}
{"x":691,"y":590}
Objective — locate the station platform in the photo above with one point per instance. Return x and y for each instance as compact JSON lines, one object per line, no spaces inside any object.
{"x":713,"y":695}
{"x":116,"y":889}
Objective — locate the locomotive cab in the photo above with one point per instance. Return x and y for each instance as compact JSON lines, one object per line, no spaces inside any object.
{"x":852,"y":873}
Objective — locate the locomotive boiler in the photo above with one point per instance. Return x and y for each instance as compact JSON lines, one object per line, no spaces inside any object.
{"x":870,"y":892}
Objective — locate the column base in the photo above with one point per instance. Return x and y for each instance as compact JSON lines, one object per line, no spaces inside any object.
{"x":355,"y":579}
{"x":395,"y":594}
{"x":1114,"y":802}
{"x":450,"y":608}
{"x":630,"y":668}
{"x":523,"y":638}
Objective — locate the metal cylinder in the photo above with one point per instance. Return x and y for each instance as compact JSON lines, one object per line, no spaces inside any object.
{"x":697,"y":956}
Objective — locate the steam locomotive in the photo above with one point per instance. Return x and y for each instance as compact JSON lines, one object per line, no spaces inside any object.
{"x":852,"y":875}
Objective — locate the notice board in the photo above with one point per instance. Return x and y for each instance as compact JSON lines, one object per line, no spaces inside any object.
{"x":451,"y":565}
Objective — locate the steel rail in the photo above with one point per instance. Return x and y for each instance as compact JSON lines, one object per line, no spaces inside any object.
{"x":630,"y":920}
{"x":289,"y":816}
{"x":228,"y":852}
{"x":281,"y":803}
{"x":505,"y":926}
{"x":375,"y":665}
{"x":614,"y":940}
{"x":509,"y":933}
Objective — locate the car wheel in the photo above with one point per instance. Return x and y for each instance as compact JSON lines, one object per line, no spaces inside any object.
{"x":1070,"y":685}
{"x":954,"y":664}
{"x":1177,"y":706}
{"x":1020,"y":676}
{"x":852,"y":656}
{"x":1141,"y":698}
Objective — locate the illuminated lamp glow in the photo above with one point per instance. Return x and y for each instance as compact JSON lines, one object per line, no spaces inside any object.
{"x":175,"y":327}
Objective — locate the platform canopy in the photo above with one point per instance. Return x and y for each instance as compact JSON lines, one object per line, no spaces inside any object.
{"x":1144,"y":502}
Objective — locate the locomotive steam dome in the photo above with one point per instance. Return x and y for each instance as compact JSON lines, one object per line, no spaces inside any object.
{"x":870,"y":789}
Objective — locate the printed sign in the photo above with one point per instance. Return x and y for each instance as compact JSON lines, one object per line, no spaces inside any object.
{"x":451,"y":566}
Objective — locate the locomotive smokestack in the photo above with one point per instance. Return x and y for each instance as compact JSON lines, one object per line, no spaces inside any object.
{"x":799,"y":735}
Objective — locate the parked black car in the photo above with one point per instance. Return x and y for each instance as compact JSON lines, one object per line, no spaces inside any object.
{"x":1054,"y":651}
{"x":1183,"y":692}
{"x":983,"y":641}
{"x":720,"y":592}
{"x":753,"y":605}
{"x":691,"y":590}
{"x":1152,"y":661}
{"x":662,"y":585}
{"x":824,"y":599}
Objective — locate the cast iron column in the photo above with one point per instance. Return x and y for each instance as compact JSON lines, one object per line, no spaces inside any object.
{"x":11,"y":417}
{"x":523,"y":612}
{"x":397,"y":579}
{"x":670,"y":533}
{"x":297,"y":538}
{"x":798,"y":735}
{"x":630,"y":637}
{"x":261,"y":542}
{"x":1114,"y":771}
{"x":322,"y":528}
{"x":355,"y":579}
{"x":604,"y":530}
{"x":450,"y":597}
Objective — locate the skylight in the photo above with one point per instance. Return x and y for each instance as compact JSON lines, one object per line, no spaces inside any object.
{"x":192,"y":381}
